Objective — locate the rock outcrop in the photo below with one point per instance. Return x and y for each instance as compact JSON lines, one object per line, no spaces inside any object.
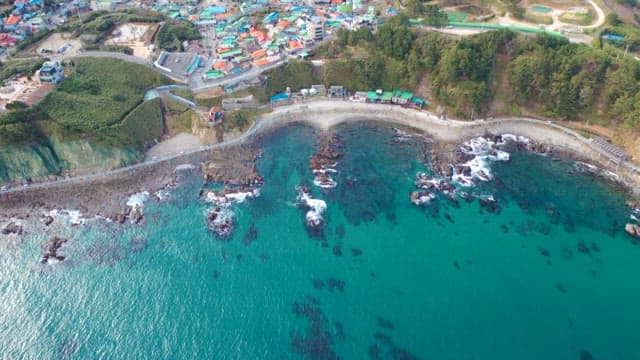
{"x":633,"y":230}
{"x":52,"y":250}
{"x":12,"y":228}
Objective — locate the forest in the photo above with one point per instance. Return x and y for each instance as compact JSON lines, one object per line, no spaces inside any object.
{"x":542,"y":75}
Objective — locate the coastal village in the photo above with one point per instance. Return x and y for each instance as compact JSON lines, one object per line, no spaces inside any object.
{"x":415,"y":169}
{"x":238,"y":40}
{"x":224,"y":49}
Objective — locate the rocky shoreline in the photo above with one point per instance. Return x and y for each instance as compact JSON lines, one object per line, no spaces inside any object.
{"x":103,"y":195}
{"x":239,"y":179}
{"x":323,"y":163}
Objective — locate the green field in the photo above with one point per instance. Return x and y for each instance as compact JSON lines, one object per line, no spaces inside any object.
{"x":97,"y":97}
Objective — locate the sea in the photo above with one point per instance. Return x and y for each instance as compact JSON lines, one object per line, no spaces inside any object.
{"x":531,"y":262}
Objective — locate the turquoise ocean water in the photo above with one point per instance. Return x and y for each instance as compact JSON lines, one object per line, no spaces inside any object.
{"x":546,"y":274}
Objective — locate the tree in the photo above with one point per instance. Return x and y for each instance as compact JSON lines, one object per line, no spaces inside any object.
{"x":435,"y":16}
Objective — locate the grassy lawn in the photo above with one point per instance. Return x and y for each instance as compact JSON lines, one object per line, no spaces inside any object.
{"x":578,"y":19}
{"x":178,"y":117}
{"x":538,"y":18}
{"x":184,"y":93}
{"x":98,"y":93}
{"x":25,"y":67}
{"x":100,"y":100}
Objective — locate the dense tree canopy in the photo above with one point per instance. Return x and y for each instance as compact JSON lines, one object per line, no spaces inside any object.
{"x":546,"y":75}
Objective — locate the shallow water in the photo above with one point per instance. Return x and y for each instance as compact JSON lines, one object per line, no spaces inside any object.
{"x":548,"y":273}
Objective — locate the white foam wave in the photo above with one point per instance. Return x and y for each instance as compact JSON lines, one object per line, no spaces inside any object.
{"x":485,"y":152}
{"x":316,"y":207}
{"x":231,"y":198}
{"x":138,"y":199}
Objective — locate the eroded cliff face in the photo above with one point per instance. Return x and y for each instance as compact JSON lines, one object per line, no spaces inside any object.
{"x":54,"y":157}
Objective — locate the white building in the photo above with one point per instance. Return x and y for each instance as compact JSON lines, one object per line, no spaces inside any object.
{"x":51,"y":72}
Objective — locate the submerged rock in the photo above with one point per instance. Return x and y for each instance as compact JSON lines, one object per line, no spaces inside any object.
{"x":47,"y":220}
{"x":633,"y":230}
{"x":12,"y":228}
{"x":315,"y":208}
{"x":52,"y":250}
{"x":220,"y":220}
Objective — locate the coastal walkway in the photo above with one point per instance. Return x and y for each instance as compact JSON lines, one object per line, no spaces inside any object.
{"x":325,"y":114}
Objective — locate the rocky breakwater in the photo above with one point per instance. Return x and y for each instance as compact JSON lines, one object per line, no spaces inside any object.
{"x":323,"y":163}
{"x":240,"y":180}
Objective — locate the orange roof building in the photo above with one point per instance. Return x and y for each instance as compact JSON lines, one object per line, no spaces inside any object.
{"x":220,"y":65}
{"x":13,"y":20}
{"x":258,"y":53}
{"x":294,"y":44}
{"x":261,"y":62}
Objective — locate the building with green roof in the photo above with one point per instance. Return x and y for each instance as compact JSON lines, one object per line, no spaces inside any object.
{"x":401,"y":97}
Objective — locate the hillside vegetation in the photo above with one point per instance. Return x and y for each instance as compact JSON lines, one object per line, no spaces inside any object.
{"x":539,"y":74}
{"x":98,"y":95}
{"x":98,"y":110}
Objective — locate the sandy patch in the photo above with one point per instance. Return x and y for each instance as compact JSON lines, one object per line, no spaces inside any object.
{"x":182,"y":142}
{"x":132,"y":35}
{"x":56,"y":42}
{"x":25,"y":90}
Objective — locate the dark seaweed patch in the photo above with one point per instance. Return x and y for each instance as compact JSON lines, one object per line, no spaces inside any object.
{"x":318,"y":284}
{"x":583,"y":248}
{"x":68,"y":348}
{"x":340,"y":232}
{"x":586,"y":355}
{"x":456,"y":265}
{"x":138,"y":244}
{"x":335,"y":284}
{"x":250,"y":236}
{"x":449,"y":218}
{"x":490,"y":206}
{"x":561,"y":288}
{"x":317,"y":342}
{"x":544,"y":252}
{"x":544,"y":228}
{"x":216,"y":274}
{"x":385,"y":324}
{"x":340,"y":335}
{"x":385,"y":348}
{"x":106,"y":253}
{"x":356,"y":252}
{"x":263,"y":257}
{"x":337,"y":250}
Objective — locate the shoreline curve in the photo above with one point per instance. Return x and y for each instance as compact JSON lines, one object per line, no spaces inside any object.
{"x":324,"y":114}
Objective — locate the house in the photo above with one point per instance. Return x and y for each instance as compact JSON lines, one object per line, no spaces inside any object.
{"x":418,"y":102}
{"x":320,"y":89}
{"x":51,"y":72}
{"x":316,"y":28}
{"x":337,"y":91}
{"x":215,"y":115}
{"x":401,"y":97}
